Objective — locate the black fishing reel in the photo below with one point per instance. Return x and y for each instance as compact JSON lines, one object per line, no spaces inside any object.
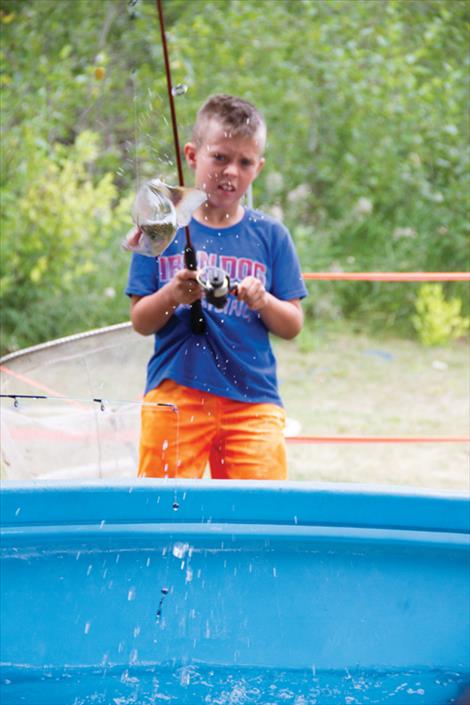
{"x":216,"y":285}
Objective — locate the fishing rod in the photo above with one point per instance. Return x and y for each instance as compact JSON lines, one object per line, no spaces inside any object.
{"x":198,"y":324}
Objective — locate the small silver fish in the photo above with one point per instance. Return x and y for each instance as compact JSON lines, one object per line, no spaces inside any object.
{"x":158,"y":211}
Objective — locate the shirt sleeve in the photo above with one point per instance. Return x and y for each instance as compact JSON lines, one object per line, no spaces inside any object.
{"x":287,"y":280}
{"x":143,"y":276}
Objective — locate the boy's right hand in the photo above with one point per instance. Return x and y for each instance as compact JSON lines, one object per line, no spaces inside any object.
{"x":184,"y":287}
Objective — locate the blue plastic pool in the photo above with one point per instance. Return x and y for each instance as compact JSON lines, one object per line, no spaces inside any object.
{"x":217,"y":592}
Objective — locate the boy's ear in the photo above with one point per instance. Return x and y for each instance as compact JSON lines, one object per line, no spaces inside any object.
{"x":261,"y":164}
{"x":190,"y":154}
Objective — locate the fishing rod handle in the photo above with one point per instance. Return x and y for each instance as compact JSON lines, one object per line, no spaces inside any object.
{"x":198,"y":324}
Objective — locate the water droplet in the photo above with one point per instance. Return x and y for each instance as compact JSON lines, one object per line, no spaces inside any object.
{"x":185,"y":677}
{"x":131,"y":594}
{"x":176,"y":506}
{"x":180,"y":550}
{"x":179,"y":89}
{"x":87,"y":627}
{"x":165,"y":445}
{"x":164,"y":591}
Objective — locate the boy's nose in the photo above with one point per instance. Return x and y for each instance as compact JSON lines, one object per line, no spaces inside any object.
{"x":230,"y":169}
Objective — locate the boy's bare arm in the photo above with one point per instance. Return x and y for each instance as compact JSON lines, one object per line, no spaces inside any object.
{"x":150,"y":313}
{"x":283,"y":318}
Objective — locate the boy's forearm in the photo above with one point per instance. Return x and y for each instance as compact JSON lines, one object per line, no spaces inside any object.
{"x":283,"y":318}
{"x":150,"y":313}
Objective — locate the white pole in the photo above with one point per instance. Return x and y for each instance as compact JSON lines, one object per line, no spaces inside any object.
{"x":249,"y":197}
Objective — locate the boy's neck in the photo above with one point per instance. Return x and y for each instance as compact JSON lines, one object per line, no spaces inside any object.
{"x":218,"y":217}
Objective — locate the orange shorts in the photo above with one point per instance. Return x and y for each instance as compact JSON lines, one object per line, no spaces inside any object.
{"x":241,"y":441}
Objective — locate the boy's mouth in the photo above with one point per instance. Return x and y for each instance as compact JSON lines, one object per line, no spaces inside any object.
{"x":226,"y":186}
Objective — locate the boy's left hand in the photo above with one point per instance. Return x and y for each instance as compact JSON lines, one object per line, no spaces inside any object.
{"x":253,"y":293}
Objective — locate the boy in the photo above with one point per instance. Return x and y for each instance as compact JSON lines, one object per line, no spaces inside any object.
{"x":222,"y":382}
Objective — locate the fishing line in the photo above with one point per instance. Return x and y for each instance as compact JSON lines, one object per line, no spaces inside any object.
{"x":197,"y":317}
{"x":169,"y":85}
{"x":136,"y":155}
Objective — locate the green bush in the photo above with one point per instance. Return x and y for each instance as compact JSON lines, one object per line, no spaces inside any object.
{"x":367,"y":158}
{"x":60,"y":243}
{"x":438,"y":321}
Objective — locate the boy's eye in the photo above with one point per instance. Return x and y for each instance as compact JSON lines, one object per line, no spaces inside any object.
{"x":219,"y":157}
{"x":247,"y":162}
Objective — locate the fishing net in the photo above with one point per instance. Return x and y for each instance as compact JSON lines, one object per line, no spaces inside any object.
{"x":73,"y":410}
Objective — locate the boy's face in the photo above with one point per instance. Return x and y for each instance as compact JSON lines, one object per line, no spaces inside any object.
{"x":225,"y":165}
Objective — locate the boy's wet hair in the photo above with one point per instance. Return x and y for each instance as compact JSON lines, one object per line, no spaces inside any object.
{"x":238,"y":116}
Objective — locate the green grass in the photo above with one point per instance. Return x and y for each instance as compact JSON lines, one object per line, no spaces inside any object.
{"x":335,"y":383}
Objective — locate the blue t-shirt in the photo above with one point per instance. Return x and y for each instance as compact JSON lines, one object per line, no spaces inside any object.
{"x":233,"y":358}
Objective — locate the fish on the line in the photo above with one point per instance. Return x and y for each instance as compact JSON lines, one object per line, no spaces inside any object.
{"x":158,"y":211}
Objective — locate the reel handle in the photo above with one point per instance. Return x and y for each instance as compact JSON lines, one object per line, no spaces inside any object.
{"x":216,"y":284}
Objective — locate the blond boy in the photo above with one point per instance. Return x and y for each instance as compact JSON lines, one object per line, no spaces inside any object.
{"x":224,"y":381}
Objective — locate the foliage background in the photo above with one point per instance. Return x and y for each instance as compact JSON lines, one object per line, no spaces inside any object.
{"x":367,"y":104}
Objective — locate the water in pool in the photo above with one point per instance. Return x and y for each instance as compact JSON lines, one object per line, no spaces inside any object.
{"x":198,"y":685}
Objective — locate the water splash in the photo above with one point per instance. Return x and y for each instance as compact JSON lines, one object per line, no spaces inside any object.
{"x":181,"y":549}
{"x":186,"y":683}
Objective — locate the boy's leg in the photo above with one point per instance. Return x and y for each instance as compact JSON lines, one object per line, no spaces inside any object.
{"x":175,"y":443}
{"x":250,"y":442}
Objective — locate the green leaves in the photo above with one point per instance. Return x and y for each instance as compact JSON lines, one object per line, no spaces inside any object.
{"x":438,"y":321}
{"x":54,"y":230}
{"x":366,"y":102}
